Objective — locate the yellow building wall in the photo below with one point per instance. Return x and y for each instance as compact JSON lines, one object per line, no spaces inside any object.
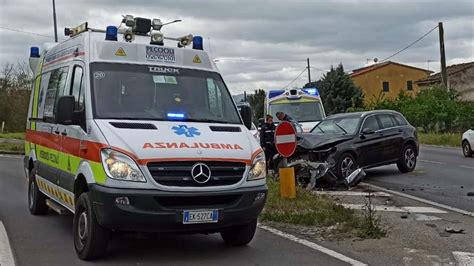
{"x":397,"y":76}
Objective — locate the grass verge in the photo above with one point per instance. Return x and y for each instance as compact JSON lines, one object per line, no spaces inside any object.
{"x":313,"y":210}
{"x":441,"y":139}
{"x":12,"y":147}
{"x":18,"y":135}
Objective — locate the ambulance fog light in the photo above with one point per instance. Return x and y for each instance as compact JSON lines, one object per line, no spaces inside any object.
{"x":120,"y":166}
{"x":260,"y":196}
{"x":259,"y":168}
{"x":122,"y":201}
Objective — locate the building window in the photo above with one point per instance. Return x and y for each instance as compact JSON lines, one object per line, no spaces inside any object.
{"x":409,"y":85}
{"x":385,"y":86}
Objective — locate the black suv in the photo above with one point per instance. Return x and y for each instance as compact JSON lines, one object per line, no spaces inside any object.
{"x":361,"y":139}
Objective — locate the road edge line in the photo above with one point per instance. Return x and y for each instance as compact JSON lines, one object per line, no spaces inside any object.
{"x":6,"y":254}
{"x":454,"y":209}
{"x":312,"y":245}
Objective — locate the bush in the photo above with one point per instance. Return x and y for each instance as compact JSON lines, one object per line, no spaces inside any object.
{"x":433,"y":109}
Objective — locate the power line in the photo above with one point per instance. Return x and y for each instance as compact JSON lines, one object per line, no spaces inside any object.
{"x":410,"y":45}
{"x":230,"y":59}
{"x":26,"y":32}
{"x":304,"y":70}
{"x":319,"y":69}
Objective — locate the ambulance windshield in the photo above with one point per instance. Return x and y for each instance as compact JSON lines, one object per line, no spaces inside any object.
{"x":140,"y":92}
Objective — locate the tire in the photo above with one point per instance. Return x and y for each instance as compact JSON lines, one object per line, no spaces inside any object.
{"x":239,"y":235}
{"x":408,"y":158}
{"x":466,"y":149}
{"x":36,"y":199}
{"x":90,"y":239}
{"x":346,"y":164}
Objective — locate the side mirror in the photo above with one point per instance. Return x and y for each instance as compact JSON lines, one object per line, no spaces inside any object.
{"x":246,"y":114}
{"x":261,"y":121}
{"x":65,"y":110}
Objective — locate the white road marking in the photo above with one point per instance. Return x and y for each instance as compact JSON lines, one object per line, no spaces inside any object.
{"x":312,"y":245}
{"x":280,"y":139}
{"x":352,"y":193}
{"x":465,"y":166}
{"x":6,"y":255}
{"x":434,"y":162}
{"x":10,"y":156}
{"x":412,"y":209}
{"x":463,"y":258}
{"x":454,"y":209}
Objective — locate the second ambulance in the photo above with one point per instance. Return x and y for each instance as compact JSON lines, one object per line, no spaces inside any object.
{"x":129,"y":134}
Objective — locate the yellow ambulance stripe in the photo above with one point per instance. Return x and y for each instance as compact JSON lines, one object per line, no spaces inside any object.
{"x":56,"y":193}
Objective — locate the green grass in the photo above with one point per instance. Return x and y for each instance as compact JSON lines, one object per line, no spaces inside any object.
{"x":442,"y":139}
{"x":12,"y":147}
{"x":19,"y":135}
{"x":314,"y":210}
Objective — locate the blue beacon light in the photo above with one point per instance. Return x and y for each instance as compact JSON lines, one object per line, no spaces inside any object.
{"x":198,"y":43}
{"x":175,"y":116}
{"x":34,"y":52}
{"x":111,"y":33}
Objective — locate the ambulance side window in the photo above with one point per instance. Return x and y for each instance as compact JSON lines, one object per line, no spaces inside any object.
{"x":77,"y":89}
{"x":214,"y":98}
{"x":42,"y":93}
{"x":56,"y":89}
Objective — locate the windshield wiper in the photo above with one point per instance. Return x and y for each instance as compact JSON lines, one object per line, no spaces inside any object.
{"x":345,"y":132}
{"x":207,"y":121}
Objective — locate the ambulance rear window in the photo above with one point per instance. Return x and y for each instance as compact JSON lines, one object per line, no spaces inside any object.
{"x":140,"y":92}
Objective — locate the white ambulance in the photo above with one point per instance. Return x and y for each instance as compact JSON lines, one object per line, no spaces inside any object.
{"x":131,"y":135}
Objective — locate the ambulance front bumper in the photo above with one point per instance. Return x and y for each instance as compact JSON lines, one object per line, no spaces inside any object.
{"x":162,"y":211}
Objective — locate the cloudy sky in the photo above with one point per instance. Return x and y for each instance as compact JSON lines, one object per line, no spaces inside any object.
{"x":264,"y":44}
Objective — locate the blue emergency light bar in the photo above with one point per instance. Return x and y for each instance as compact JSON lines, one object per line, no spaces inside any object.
{"x":34,"y":51}
{"x":275,"y":93}
{"x":176,"y":116}
{"x":311,"y":91}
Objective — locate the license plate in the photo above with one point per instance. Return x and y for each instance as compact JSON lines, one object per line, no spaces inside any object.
{"x":200,"y":216}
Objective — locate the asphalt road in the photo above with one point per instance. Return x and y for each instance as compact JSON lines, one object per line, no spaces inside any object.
{"x":47,"y":240}
{"x":442,"y":175}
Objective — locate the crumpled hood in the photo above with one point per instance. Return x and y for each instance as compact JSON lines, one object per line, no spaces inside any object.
{"x":179,"y":140}
{"x":313,"y":141}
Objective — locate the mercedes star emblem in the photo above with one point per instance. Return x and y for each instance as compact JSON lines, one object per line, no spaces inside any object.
{"x":201,"y":173}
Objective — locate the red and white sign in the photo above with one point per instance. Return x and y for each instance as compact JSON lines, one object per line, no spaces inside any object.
{"x":285,"y":139}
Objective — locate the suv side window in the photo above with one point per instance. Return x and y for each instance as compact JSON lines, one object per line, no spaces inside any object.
{"x":56,"y":89}
{"x":77,"y":89}
{"x":400,"y":120}
{"x":370,"y":124}
{"x":386,"y":121}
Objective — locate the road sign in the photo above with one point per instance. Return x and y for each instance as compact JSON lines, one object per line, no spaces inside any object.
{"x":285,"y":139}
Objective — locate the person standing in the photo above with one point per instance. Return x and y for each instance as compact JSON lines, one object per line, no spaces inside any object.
{"x":267,"y":140}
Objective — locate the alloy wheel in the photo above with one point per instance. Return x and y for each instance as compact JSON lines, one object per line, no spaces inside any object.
{"x":347,"y":167}
{"x":410,"y":158}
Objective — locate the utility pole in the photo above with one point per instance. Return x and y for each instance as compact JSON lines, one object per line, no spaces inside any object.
{"x":55,"y":25}
{"x":444,"y":74}
{"x":309,"y":71}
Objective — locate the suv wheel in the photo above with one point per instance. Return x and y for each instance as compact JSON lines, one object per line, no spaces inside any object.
{"x":36,"y":199}
{"x":239,"y":235}
{"x":407,"y":161}
{"x":346,"y":165}
{"x":466,"y":149}
{"x":90,"y":239}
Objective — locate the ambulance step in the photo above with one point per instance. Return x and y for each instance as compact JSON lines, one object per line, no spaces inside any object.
{"x":56,"y":207}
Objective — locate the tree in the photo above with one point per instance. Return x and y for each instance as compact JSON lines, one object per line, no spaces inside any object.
{"x":338,"y":91}
{"x":257,"y":102}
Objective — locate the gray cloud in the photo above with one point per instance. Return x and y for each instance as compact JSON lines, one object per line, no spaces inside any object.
{"x":264,"y":44}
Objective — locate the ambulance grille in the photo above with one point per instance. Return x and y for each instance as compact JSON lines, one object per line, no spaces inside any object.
{"x":133,"y":125}
{"x":179,"y":173}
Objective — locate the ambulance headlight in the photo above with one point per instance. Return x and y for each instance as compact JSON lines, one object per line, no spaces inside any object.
{"x":259,"y":167}
{"x":120,"y":166}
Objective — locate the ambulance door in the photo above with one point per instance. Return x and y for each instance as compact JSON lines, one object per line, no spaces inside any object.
{"x":71,"y":135}
{"x":49,"y":144}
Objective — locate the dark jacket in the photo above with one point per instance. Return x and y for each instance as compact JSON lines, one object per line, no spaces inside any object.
{"x":267,"y":135}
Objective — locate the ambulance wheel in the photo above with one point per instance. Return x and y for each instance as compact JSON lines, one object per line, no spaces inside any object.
{"x":90,"y":239}
{"x":36,"y":199}
{"x":239,"y":235}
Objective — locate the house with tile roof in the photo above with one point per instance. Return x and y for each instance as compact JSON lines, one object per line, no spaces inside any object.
{"x":387,"y":79}
{"x":460,"y":78}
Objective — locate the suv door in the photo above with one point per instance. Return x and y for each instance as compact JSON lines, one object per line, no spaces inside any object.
{"x":392,"y":134}
{"x":370,"y":143}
